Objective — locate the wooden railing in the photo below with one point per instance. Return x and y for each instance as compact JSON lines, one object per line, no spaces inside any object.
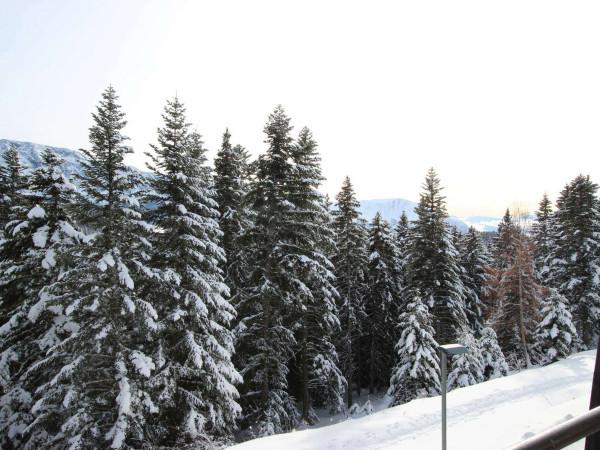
{"x":564,"y":434}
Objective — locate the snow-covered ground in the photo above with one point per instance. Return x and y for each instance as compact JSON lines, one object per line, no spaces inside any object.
{"x":491,"y":415}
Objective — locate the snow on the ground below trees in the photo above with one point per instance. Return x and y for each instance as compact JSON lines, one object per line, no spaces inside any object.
{"x":491,"y":415}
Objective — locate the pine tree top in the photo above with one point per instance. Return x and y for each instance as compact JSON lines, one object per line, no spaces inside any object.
{"x":545,"y":208}
{"x":12,"y":173}
{"x":278,"y":129}
{"x":432,"y":204}
{"x":347,"y":205}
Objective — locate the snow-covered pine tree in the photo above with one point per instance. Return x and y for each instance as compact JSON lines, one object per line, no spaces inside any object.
{"x":37,"y":242}
{"x":493,"y":361}
{"x":541,"y":235}
{"x":518,"y":301}
{"x":231,"y":186}
{"x":329,"y":246}
{"x":266,"y":343}
{"x":574,"y":259}
{"x":402,"y":238}
{"x":555,"y":335}
{"x":13,"y":182}
{"x":467,"y":368}
{"x":504,"y":244}
{"x":13,"y":207}
{"x":195,"y":375}
{"x":474,"y":259}
{"x":99,"y":396}
{"x":315,"y":317}
{"x":381,"y":305}
{"x":350,"y":261}
{"x":417,"y":368}
{"x":435,"y":269}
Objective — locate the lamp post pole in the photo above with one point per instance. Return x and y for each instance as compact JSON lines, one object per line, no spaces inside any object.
{"x":444,"y":376}
{"x":445,"y":350}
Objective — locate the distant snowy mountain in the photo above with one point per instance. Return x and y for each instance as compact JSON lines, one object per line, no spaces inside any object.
{"x":30,"y":154}
{"x":391,"y":210}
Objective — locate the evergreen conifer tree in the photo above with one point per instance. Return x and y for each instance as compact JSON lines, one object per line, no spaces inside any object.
{"x":381,"y":304}
{"x":435,"y":269}
{"x":467,"y":368}
{"x":555,"y":334}
{"x":35,"y":249}
{"x":13,"y":208}
{"x":235,"y":216}
{"x":475,"y":260}
{"x":494,"y":363}
{"x":195,"y":375}
{"x":416,"y":373}
{"x":13,"y":182}
{"x":315,"y":317}
{"x":266,"y":340}
{"x":504,"y":250}
{"x":541,"y":235}
{"x":100,"y":394}
{"x":402,"y":237}
{"x":350,"y":260}
{"x":574,"y":260}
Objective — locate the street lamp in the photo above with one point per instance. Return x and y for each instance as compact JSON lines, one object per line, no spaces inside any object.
{"x":447,"y":350}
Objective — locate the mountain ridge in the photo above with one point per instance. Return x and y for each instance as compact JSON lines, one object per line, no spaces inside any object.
{"x":389,"y":208}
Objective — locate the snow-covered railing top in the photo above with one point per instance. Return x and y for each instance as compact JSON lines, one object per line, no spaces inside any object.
{"x":564,"y":434}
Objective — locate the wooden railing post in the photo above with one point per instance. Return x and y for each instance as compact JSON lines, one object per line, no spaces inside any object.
{"x":593,"y":441}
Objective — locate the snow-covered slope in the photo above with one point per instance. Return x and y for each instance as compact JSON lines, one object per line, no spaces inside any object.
{"x":491,"y":415}
{"x":391,"y":210}
{"x":30,"y":154}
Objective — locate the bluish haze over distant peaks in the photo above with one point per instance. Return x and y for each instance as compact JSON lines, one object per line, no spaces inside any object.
{"x":390,"y":208}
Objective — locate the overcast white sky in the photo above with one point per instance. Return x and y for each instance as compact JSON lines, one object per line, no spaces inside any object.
{"x":502,"y":98}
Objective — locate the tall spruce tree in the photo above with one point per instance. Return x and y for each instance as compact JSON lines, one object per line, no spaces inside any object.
{"x":435,"y":269}
{"x":381,"y":305}
{"x":266,"y":340}
{"x":13,"y":208}
{"x":315,"y":317}
{"x":475,"y":260}
{"x":467,"y":368}
{"x":100,"y":394}
{"x":13,"y":182}
{"x":542,"y":234}
{"x":350,"y":260}
{"x":504,"y":244}
{"x":417,"y":368}
{"x":195,"y":375}
{"x":235,"y":216}
{"x":37,"y":243}
{"x":574,"y":260}
{"x":493,"y":360}
{"x":556,"y":336}
{"x":402,"y":238}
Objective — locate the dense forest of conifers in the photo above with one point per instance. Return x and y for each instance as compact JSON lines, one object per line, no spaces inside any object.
{"x":201,"y":304}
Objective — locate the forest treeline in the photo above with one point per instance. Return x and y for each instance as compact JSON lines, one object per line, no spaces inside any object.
{"x":205,"y":304}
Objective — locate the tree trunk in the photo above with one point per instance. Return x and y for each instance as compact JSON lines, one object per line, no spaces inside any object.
{"x":372,"y":362}
{"x":350,"y":356}
{"x":265,"y":330}
{"x":522,"y":322}
{"x":359,"y":363}
{"x":305,"y":397}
